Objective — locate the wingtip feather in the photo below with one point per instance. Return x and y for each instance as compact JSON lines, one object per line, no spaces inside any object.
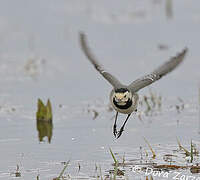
{"x":184,"y":51}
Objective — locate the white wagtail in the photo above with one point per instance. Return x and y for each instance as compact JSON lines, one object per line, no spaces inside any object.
{"x":124,"y":99}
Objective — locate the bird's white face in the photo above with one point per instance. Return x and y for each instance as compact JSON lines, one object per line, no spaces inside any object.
{"x":122,"y":97}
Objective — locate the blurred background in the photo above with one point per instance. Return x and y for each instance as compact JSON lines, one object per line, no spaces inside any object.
{"x":40,"y":57}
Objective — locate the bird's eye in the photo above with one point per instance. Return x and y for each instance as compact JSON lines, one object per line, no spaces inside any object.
{"x":125,"y":95}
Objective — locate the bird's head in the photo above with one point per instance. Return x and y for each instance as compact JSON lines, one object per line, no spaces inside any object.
{"x":122,"y":95}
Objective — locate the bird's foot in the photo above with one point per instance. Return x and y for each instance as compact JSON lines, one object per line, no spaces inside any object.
{"x":115,"y":130}
{"x":120,"y":132}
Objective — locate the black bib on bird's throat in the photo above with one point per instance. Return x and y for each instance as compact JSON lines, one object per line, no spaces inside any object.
{"x":126,"y":106}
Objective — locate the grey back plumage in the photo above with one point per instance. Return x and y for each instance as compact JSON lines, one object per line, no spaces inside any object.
{"x":109,"y":77}
{"x":158,"y":73}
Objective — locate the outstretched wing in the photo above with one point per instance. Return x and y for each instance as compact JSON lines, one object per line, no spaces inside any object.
{"x":109,"y":77}
{"x":159,"y":72}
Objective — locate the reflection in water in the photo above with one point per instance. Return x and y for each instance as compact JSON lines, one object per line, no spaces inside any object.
{"x":169,"y":9}
{"x":44,"y":129}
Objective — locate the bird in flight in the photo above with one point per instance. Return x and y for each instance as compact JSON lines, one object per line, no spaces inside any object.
{"x":123,"y":98}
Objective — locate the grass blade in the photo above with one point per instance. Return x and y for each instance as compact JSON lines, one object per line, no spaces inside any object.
{"x":62,"y":172}
{"x":115,"y":160}
{"x":115,"y":164}
{"x":181,"y":147}
{"x":153,"y":152}
{"x":191,"y":153}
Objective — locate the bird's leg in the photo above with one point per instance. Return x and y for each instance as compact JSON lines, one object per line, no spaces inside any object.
{"x":115,"y":125}
{"x":122,"y":128}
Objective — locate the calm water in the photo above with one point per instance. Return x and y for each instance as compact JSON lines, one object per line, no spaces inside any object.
{"x":40,"y":57}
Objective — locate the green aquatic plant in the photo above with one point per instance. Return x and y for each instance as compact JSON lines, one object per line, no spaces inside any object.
{"x":153,"y":152}
{"x":62,"y":172}
{"x":117,"y":171}
{"x":187,"y":153}
{"x":44,"y":112}
{"x":113,"y":156}
{"x":191,"y":152}
{"x":116,"y":164}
